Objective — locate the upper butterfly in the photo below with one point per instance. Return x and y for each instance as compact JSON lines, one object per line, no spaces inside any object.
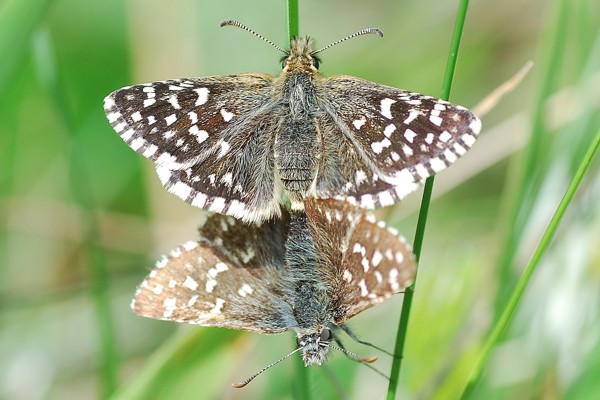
{"x":241,"y":144}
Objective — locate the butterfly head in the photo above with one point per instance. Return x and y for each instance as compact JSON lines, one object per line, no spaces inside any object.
{"x":301,"y":55}
{"x":315,"y":346}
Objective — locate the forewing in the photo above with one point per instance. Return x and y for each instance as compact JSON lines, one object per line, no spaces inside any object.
{"x":210,"y":138}
{"x":229,"y":278}
{"x":364,"y":261}
{"x":382,"y":142}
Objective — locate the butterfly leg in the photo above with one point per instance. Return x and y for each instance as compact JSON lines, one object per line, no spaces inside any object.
{"x":365,"y":361}
{"x":346,"y":329}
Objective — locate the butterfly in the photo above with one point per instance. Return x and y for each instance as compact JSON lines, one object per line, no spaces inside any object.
{"x":244,"y":144}
{"x":309,"y":271}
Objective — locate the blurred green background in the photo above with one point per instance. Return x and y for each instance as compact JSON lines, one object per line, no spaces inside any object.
{"x":83,"y":217}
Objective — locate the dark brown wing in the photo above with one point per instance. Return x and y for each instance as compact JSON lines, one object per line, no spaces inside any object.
{"x":229,"y":278}
{"x":210,"y":138}
{"x":380,"y":143}
{"x":364,"y":261}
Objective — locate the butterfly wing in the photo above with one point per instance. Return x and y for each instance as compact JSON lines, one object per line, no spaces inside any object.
{"x":229,"y":278}
{"x":209,"y":138}
{"x":382,"y":142}
{"x":364,"y":261}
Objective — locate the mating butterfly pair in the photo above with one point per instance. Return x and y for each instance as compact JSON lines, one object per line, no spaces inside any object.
{"x":245,"y":145}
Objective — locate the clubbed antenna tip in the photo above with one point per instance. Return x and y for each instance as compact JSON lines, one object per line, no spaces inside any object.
{"x":366,"y":31}
{"x":368,"y":359}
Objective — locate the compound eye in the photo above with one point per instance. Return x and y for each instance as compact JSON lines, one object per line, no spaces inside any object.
{"x":316,"y":62}
{"x":326,"y":335}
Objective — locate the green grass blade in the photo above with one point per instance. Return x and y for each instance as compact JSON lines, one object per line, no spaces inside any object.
{"x":300,"y":384}
{"x":293,"y":24}
{"x":509,"y":311}
{"x":424,"y":210}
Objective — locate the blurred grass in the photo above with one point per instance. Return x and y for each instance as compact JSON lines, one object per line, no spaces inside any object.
{"x":180,"y":359}
{"x":18,"y":20}
{"x":510,"y":310}
{"x":82,"y":217}
{"x":536,"y":158}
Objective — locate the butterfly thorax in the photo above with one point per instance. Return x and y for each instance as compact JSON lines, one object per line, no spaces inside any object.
{"x":300,"y":58}
{"x":296,"y":144}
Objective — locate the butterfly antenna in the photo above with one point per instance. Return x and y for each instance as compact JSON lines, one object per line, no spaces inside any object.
{"x":244,"y":27}
{"x":366,"y":31}
{"x":366,"y":361}
{"x":247,"y":381}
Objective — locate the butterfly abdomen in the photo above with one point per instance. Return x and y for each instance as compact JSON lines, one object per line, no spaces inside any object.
{"x":305,"y":289}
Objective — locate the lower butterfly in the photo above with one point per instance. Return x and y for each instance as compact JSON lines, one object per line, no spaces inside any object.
{"x":308,"y":272}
